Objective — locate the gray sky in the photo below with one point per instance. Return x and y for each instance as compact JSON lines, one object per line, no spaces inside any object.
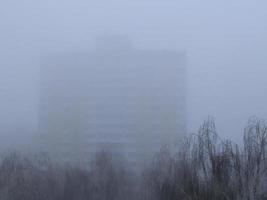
{"x":225,"y":42}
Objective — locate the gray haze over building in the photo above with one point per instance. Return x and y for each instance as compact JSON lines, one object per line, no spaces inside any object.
{"x":115,"y":98}
{"x":225,"y":42}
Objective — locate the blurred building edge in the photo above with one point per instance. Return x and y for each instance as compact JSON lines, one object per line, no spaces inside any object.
{"x":126,"y":101}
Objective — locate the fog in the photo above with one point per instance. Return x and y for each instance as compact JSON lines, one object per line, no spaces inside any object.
{"x":225,"y":43}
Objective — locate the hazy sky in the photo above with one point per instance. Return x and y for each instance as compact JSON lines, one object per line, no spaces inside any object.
{"x":225,"y":42}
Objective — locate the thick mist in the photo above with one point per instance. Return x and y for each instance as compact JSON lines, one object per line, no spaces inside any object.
{"x":225,"y":43}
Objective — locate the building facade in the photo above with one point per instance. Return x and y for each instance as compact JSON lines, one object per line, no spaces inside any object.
{"x":116,"y":98}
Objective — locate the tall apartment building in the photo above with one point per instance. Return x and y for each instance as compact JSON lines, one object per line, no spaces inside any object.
{"x":116,"y":98}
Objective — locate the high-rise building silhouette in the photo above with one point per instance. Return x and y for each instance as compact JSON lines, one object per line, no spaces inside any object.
{"x":116,"y":98}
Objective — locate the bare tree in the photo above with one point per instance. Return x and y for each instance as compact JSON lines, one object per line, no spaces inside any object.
{"x":205,"y":167}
